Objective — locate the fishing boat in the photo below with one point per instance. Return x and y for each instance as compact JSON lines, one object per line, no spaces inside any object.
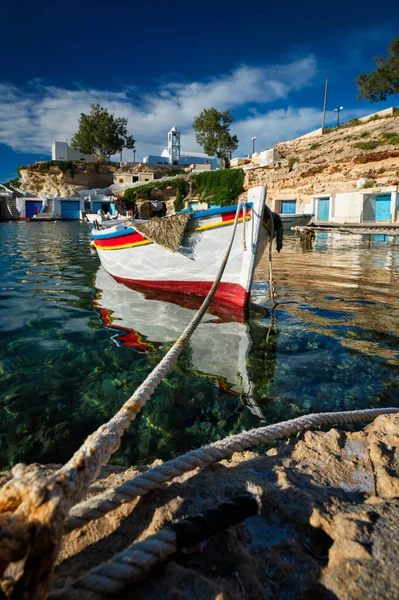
{"x":141,"y":259}
{"x":293,"y":220}
{"x":218,"y":350}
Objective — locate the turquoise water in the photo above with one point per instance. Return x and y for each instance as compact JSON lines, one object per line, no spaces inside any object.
{"x":74,"y":345}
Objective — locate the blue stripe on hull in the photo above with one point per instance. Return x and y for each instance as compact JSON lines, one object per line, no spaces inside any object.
{"x":198,"y":214}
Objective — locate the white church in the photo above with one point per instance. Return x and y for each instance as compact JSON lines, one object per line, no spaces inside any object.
{"x":172,"y":155}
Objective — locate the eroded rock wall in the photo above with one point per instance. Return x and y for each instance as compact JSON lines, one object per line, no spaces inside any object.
{"x":330,"y":163}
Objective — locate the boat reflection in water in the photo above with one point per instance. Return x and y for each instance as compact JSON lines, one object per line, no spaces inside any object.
{"x":219,"y":347}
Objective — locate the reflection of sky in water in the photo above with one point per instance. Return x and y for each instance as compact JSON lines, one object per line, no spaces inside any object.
{"x":71,"y":354}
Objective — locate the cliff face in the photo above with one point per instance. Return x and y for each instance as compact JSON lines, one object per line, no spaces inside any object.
{"x":332,"y":163}
{"x":53,"y":182}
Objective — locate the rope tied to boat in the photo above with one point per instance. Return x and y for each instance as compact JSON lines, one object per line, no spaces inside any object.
{"x":244,"y":224}
{"x":41,"y":508}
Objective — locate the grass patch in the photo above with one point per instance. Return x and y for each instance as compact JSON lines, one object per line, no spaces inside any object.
{"x":367,"y":145}
{"x":351,"y":123}
{"x":364,"y":134}
{"x":291,"y":161}
{"x":314,"y":146}
{"x":391,"y":137}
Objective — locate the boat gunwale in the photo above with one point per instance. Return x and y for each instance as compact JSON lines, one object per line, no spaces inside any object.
{"x":200,"y":214}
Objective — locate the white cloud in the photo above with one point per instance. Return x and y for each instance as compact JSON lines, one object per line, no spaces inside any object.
{"x":30,"y":119}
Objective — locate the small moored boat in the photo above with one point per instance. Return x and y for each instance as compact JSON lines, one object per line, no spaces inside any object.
{"x":132,"y":258}
{"x":289,"y":221}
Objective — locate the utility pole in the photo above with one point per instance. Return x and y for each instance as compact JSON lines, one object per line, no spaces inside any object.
{"x":253,"y":144}
{"x":134,"y":155}
{"x":325,"y":106}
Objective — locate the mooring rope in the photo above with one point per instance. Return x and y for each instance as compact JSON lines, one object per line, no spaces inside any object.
{"x":156,"y":477}
{"x":97,"y":449}
{"x":137,"y":560}
{"x":244,"y":224}
{"x":41,"y":503}
{"x":272,"y":290}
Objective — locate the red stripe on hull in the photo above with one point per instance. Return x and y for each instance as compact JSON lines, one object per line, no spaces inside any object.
{"x":231,"y":216}
{"x":131,"y":238}
{"x":228,"y":293}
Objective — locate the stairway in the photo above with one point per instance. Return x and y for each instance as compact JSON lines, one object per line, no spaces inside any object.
{"x":47,"y":213}
{"x":120,"y":206}
{"x":12,"y":207}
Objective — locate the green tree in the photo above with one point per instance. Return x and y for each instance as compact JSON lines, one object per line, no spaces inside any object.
{"x":101,"y":133}
{"x":213,"y":134}
{"x":384,"y":81}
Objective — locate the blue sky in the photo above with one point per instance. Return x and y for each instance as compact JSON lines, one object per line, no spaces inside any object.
{"x":160,"y":64}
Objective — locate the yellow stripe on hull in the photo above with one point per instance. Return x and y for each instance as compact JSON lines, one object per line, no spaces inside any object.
{"x":201,"y":228}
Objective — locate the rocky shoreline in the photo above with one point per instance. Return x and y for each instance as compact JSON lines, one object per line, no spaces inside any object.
{"x":329,"y":526}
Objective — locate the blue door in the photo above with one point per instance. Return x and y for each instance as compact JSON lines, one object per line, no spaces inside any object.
{"x":33,"y":207}
{"x":70,"y":209}
{"x":288,"y":207}
{"x":323,"y":209}
{"x":383,"y":207}
{"x":105,"y":206}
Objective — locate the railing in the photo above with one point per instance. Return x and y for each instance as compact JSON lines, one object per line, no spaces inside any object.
{"x":120,"y":206}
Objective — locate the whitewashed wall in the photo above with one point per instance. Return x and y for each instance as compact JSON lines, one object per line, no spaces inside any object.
{"x":61,"y":151}
{"x":347,"y":207}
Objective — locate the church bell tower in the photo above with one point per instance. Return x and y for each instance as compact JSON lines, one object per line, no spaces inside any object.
{"x":174,"y":145}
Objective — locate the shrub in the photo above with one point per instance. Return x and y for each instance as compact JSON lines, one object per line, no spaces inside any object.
{"x":291,"y":161}
{"x":314,"y":146}
{"x":219,"y":187}
{"x":352,"y":123}
{"x":63,"y":165}
{"x":366,"y":145}
{"x":132,"y":194}
{"x":180,"y":194}
{"x":15,"y":183}
{"x":364,"y":134}
{"x":390,"y":137}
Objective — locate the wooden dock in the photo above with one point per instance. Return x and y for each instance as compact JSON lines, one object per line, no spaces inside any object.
{"x":354,"y":228}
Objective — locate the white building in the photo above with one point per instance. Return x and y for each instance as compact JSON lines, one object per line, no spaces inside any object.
{"x":132,"y":177}
{"x":61,"y":151}
{"x":369,"y":205}
{"x":173,"y":155}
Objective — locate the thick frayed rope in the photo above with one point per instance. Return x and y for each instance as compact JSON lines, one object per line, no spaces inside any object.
{"x":135,"y":562}
{"x":155,"y":478}
{"x":44,"y":507}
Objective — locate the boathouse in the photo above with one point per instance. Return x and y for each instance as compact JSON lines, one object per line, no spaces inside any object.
{"x":368,"y":205}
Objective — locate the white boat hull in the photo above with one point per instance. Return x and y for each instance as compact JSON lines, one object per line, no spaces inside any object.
{"x":132,"y":259}
{"x":218,"y":348}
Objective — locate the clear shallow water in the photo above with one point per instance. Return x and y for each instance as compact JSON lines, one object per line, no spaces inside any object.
{"x":74,"y":345}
